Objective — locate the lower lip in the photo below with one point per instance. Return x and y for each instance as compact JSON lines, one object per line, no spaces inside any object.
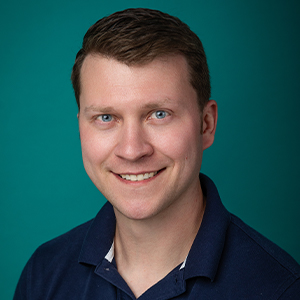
{"x":141,"y":181}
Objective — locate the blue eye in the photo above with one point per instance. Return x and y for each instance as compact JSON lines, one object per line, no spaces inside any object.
{"x":105,"y":118}
{"x":160,"y":114}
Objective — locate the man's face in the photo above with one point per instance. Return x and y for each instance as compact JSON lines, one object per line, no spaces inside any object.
{"x":140,"y":129}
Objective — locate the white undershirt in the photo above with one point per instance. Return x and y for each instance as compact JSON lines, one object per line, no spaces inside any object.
{"x":111,"y":253}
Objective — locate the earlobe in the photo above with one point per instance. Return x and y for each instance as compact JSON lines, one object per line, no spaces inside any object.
{"x":209,"y":119}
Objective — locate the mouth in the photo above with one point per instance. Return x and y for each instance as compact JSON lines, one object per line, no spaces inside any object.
{"x":139,"y":177}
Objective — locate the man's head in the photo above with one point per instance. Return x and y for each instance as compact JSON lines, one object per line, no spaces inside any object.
{"x":137,"y":37}
{"x":142,"y":137}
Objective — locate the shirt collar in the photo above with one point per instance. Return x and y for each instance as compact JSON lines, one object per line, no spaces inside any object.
{"x":206,"y":251}
{"x":99,"y":237}
{"x":205,"y":254}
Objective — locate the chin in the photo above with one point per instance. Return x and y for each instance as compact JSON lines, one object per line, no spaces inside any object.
{"x":137,"y":212}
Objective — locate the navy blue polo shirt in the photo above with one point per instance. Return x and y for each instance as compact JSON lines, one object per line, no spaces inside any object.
{"x":228,"y":260}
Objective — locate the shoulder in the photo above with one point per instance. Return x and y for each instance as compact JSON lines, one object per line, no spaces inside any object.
{"x":257,"y":242}
{"x":254,"y":256}
{"x":68,"y":243}
{"x":51,"y":263}
{"x":57,"y":253}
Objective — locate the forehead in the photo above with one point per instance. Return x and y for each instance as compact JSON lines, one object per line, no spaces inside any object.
{"x":174,"y":62}
{"x":107,"y":79}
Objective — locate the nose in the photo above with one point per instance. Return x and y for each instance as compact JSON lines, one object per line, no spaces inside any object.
{"x":133,"y":142}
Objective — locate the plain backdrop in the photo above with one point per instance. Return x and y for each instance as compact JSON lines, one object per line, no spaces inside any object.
{"x":253,"y":54}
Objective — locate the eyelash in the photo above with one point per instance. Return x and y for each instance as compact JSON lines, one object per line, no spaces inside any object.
{"x":159,"y":111}
{"x":153,"y":115}
{"x":104,"y":115}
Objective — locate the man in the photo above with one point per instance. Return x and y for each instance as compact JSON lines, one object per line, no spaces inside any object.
{"x":142,"y":87}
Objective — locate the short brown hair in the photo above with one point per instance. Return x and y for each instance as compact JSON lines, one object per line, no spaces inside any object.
{"x":138,"y":36}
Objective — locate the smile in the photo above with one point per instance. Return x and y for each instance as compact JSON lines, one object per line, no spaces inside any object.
{"x":138,"y":177}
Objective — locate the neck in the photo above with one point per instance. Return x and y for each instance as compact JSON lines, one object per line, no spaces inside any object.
{"x":147,"y":250}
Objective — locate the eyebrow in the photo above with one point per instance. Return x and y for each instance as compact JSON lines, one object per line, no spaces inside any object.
{"x":110,"y":109}
{"x":93,"y":108}
{"x":157,"y":104}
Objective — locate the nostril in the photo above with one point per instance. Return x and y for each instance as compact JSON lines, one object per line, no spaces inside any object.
{"x":133,"y":149}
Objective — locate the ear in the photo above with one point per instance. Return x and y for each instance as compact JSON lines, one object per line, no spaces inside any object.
{"x":209,"y":123}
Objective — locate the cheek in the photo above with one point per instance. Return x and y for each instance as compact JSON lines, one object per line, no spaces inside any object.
{"x":183,"y":143}
{"x":93,"y":146}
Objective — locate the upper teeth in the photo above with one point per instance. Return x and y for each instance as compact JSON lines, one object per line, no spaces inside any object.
{"x":138,"y":177}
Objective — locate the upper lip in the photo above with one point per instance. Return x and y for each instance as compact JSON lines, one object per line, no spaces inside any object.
{"x":137,"y":173}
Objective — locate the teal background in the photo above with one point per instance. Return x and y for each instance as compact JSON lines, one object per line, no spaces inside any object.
{"x":253,"y":53}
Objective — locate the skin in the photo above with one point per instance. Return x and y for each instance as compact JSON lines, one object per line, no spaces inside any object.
{"x":143,"y":119}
